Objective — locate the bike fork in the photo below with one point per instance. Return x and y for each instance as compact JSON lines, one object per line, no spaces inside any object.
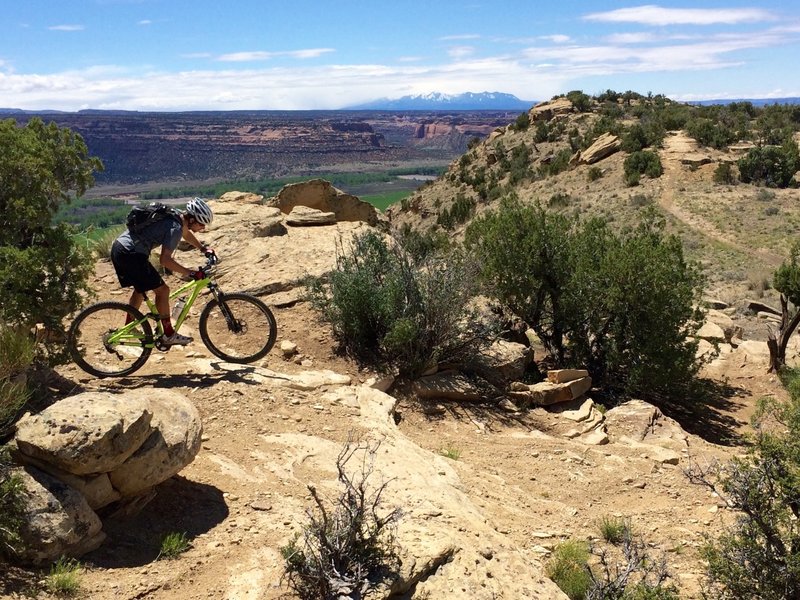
{"x":233,"y":324}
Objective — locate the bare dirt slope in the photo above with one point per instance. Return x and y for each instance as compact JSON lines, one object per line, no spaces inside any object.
{"x":516,"y":486}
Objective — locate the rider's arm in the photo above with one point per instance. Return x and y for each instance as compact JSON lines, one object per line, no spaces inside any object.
{"x":168,"y":262}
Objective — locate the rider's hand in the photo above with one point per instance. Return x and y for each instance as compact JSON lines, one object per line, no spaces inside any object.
{"x":209,"y":253}
{"x":197,"y":275}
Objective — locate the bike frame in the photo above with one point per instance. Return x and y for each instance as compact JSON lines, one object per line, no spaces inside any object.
{"x":128,"y":335}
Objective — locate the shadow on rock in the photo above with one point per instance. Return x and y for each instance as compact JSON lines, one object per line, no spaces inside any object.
{"x":180,"y":506}
{"x":708,"y":412}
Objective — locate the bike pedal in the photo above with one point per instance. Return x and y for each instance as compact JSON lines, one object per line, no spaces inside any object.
{"x":162,"y":346}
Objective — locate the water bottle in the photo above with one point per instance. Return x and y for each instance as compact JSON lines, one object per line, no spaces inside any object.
{"x":178,"y":308}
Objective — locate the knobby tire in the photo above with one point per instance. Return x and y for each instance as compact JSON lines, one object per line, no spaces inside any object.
{"x":248,"y":338}
{"x":89,"y":335}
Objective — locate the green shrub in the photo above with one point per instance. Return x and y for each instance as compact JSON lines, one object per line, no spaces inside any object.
{"x":623,"y":571}
{"x":461,"y":210}
{"x":391,"y":311}
{"x":556,"y":164}
{"x":559,"y":200}
{"x":594,"y":173}
{"x":11,"y":505}
{"x":772,"y":166}
{"x":523,"y":122}
{"x":17,"y":352}
{"x":569,"y":569}
{"x":102,"y":245}
{"x":639,"y":163}
{"x":634,"y":139}
{"x":614,"y":529}
{"x":624,"y":300}
{"x":758,"y":557}
{"x":640,"y":200}
{"x":711,"y":132}
{"x":422,"y":245}
{"x":173,"y":545}
{"x":348,"y":547}
{"x":724,"y":174}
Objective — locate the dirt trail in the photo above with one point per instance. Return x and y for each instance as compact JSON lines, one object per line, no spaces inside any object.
{"x":676,"y":147}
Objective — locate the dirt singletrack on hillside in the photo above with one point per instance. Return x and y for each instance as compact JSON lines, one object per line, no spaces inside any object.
{"x":676,"y":177}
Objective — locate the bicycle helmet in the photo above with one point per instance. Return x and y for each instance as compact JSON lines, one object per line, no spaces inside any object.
{"x":198,"y":209}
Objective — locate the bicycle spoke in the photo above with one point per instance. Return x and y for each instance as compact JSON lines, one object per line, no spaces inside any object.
{"x":245,"y":334}
{"x":101,"y":344}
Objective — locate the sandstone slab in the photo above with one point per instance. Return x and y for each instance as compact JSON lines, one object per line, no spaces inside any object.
{"x":88,"y":433}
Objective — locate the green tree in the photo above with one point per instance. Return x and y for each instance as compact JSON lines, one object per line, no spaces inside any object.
{"x":582,"y":102}
{"x":635,"y":295}
{"x":524,"y":257}
{"x":773,"y":166}
{"x":620,"y":304}
{"x":786,"y":280}
{"x":42,"y":272}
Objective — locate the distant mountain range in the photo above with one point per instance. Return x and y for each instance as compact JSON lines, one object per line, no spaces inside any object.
{"x":439,"y":101}
{"x":432,"y":101}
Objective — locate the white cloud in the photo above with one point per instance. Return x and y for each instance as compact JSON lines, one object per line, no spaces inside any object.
{"x":145,"y":22}
{"x":460,"y":51}
{"x":318,"y":87}
{"x":556,"y":38}
{"x":260,"y":55}
{"x":655,"y":15}
{"x":66,"y":28}
{"x":464,"y":36}
{"x":630,"y":38}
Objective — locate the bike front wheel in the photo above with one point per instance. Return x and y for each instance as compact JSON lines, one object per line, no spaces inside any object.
{"x":238,"y":328}
{"x":110,"y":339}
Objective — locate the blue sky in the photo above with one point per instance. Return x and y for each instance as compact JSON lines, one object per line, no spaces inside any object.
{"x":169,"y":55}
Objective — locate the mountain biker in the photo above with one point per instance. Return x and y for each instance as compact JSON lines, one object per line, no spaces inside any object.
{"x":130,"y":255}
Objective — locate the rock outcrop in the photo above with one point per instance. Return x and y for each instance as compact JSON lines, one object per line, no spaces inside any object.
{"x":94,"y":449}
{"x":321,"y":195}
{"x":603,"y":147}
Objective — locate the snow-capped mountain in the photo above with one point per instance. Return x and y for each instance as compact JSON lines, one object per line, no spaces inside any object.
{"x":440,"y":101}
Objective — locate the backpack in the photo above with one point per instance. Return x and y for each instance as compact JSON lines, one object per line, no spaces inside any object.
{"x":141,"y":217}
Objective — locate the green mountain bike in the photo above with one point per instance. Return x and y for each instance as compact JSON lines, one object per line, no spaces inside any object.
{"x":113,"y":339}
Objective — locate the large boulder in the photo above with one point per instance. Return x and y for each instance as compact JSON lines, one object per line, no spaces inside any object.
{"x":545,"y":111}
{"x":85,"y":434}
{"x":173,"y":443}
{"x":321,"y":195}
{"x":91,"y":450}
{"x":57,"y":520}
{"x":604,"y":146}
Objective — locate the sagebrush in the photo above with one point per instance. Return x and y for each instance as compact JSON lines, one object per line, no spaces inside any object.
{"x":348,"y":547}
{"x":393,"y":310}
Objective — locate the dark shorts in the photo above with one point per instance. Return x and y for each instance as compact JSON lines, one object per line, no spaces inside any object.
{"x":134,"y":269}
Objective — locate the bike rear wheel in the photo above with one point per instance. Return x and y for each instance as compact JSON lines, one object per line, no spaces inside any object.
{"x":238,"y":328}
{"x":100,"y":343}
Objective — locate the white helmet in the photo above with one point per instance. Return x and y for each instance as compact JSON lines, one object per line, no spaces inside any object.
{"x":198,"y":209}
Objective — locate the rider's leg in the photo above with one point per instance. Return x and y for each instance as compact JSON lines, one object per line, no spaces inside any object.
{"x":135,"y":301}
{"x":162,"y":305}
